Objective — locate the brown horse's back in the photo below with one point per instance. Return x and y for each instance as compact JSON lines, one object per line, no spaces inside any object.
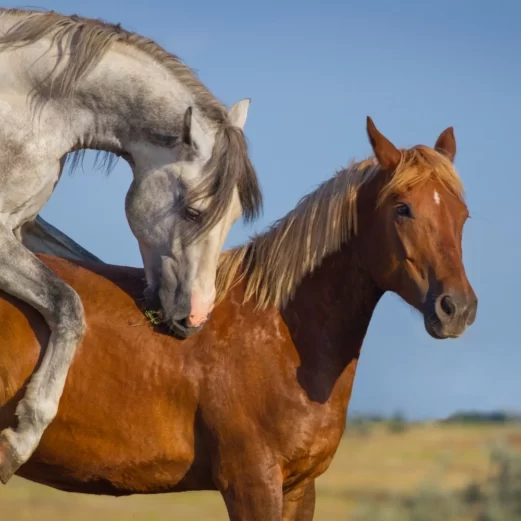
{"x":119,"y":409}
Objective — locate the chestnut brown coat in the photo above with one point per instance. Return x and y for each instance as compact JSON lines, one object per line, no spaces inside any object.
{"x":255,"y":404}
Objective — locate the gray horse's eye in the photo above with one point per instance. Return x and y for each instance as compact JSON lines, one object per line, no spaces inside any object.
{"x":192,"y":214}
{"x":164,"y":140}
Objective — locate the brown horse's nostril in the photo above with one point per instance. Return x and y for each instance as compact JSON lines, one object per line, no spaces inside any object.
{"x":447,"y":305}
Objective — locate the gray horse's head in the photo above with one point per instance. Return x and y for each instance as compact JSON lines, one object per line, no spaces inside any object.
{"x":185,"y":196}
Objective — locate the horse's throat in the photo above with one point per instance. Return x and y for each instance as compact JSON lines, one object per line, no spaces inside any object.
{"x":328,"y":320}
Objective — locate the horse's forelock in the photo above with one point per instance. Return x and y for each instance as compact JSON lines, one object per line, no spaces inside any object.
{"x":418,"y":165}
{"x":274,"y":262}
{"x":228,"y":168}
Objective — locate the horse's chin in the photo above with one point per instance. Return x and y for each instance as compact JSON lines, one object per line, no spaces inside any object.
{"x":437,"y":331}
{"x":181,"y":331}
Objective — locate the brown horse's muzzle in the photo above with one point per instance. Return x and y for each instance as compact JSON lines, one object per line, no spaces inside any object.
{"x":449,"y":314}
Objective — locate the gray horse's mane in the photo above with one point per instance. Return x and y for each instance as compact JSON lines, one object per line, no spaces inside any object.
{"x":90,"y":40}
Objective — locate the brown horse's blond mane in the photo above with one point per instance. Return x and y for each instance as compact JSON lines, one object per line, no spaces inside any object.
{"x":273,"y":263}
{"x":92,"y":39}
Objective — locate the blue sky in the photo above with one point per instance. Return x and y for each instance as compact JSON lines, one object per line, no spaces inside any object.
{"x":314,"y":70}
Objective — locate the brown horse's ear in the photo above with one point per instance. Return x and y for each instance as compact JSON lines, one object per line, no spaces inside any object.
{"x":387,"y":154}
{"x":446,"y":143}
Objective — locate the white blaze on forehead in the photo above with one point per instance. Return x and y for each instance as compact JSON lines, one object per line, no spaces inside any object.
{"x":436,"y":197}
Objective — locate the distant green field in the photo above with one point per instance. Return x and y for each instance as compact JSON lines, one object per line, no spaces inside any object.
{"x":370,"y":465}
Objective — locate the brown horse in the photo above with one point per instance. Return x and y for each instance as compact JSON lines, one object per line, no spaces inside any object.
{"x":255,"y":404}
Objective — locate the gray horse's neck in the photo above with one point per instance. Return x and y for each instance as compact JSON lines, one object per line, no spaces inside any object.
{"x":128,"y":103}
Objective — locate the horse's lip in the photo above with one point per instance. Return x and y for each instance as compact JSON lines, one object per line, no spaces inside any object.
{"x":432,"y":331}
{"x":182,"y":332}
{"x":431,"y":328}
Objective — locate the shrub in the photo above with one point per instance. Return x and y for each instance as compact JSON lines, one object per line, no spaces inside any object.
{"x":397,"y":424}
{"x":498,"y":499}
{"x":359,"y":426}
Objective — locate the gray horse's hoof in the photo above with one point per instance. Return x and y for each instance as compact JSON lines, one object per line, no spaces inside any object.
{"x":9,"y":464}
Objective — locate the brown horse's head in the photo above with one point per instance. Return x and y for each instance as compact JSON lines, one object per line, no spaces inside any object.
{"x":416,"y":236}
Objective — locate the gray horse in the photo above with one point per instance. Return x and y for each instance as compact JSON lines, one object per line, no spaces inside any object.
{"x":70,"y":84}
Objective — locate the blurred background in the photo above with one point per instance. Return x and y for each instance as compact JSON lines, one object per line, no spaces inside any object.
{"x":314,"y":71}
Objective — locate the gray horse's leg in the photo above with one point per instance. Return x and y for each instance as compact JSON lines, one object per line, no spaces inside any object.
{"x":24,"y":276}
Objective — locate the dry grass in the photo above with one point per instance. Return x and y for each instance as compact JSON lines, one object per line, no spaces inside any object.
{"x":366,"y":466}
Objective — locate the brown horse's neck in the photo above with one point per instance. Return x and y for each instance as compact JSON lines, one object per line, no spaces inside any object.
{"x":328,"y":319}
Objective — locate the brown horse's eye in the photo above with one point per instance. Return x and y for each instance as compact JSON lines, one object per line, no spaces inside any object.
{"x":192,"y":214}
{"x":403,"y":210}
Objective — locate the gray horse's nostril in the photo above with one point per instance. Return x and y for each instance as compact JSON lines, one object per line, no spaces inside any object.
{"x":184,"y":323}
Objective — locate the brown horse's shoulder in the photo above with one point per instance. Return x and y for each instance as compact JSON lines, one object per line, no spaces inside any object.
{"x":253,"y":391}
{"x":312,"y":443}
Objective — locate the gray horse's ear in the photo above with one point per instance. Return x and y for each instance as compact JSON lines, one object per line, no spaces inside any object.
{"x":187,"y":127}
{"x":238,"y":113}
{"x":194,"y":136}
